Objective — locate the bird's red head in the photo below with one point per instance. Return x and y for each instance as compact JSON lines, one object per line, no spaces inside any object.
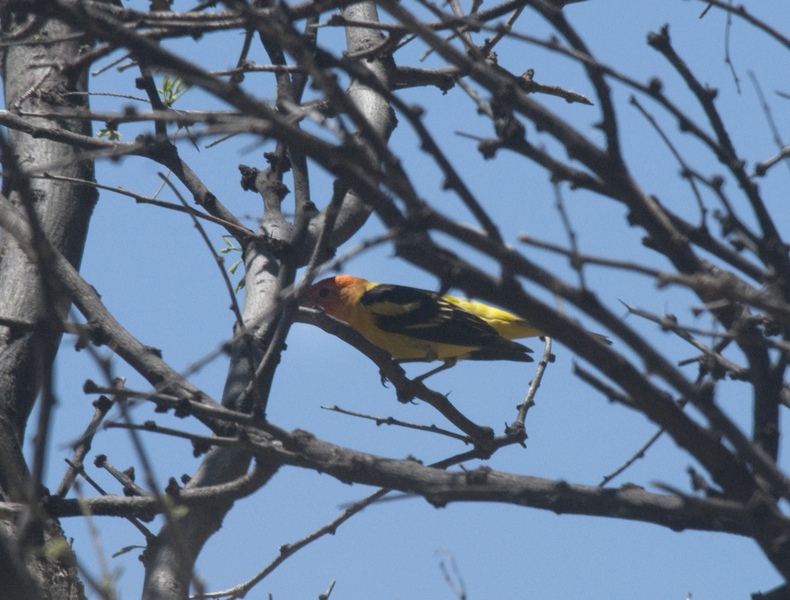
{"x":336,"y":295}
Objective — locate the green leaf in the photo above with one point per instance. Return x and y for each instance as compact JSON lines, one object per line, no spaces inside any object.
{"x":230,"y":244}
{"x":126,"y":549}
{"x":235,"y":266}
{"x":111,"y":134}
{"x":172,"y":89}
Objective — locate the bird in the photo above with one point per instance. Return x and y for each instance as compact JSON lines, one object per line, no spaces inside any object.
{"x":416,"y":325}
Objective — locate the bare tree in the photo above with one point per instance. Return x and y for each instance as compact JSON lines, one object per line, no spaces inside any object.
{"x":739,"y":273}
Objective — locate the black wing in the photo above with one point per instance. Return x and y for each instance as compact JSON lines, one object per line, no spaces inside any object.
{"x":427,"y":316}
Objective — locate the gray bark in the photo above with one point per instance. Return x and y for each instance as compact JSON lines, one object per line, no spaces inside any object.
{"x":63,"y":211}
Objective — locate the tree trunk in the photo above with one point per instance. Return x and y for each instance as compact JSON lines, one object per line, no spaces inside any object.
{"x":33,"y":81}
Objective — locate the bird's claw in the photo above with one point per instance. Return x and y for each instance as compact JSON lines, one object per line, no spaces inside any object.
{"x":383,"y":379}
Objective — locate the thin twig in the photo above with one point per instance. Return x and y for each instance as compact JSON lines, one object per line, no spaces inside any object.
{"x":761,"y":168}
{"x":32,"y":90}
{"x":231,"y":227}
{"x":685,"y":169}
{"x":727,"y":57}
{"x":149,"y":537}
{"x":122,"y":96}
{"x":125,"y":479}
{"x":566,"y":222}
{"x":250,"y":67}
{"x":393,"y":421}
{"x":740,"y":11}
{"x":107,"y":577}
{"x":736,"y":371}
{"x":529,"y":400}
{"x":110,"y":65}
{"x":503,"y":30}
{"x":594,"y":260}
{"x":217,"y":258}
{"x":483,"y":107}
{"x":638,"y":455}
{"x":83,"y":445}
{"x":288,"y":550}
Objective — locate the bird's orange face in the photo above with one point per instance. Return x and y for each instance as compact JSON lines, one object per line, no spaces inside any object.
{"x":334,"y":295}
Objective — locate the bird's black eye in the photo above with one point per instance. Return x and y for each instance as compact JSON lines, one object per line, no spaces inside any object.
{"x":323,"y":292}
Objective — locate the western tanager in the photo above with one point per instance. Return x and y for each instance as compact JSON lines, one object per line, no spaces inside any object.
{"x":419,"y":325}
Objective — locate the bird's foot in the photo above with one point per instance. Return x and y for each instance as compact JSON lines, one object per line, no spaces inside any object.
{"x":449,"y":363}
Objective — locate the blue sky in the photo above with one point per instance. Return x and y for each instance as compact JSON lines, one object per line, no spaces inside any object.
{"x":157,"y":277}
